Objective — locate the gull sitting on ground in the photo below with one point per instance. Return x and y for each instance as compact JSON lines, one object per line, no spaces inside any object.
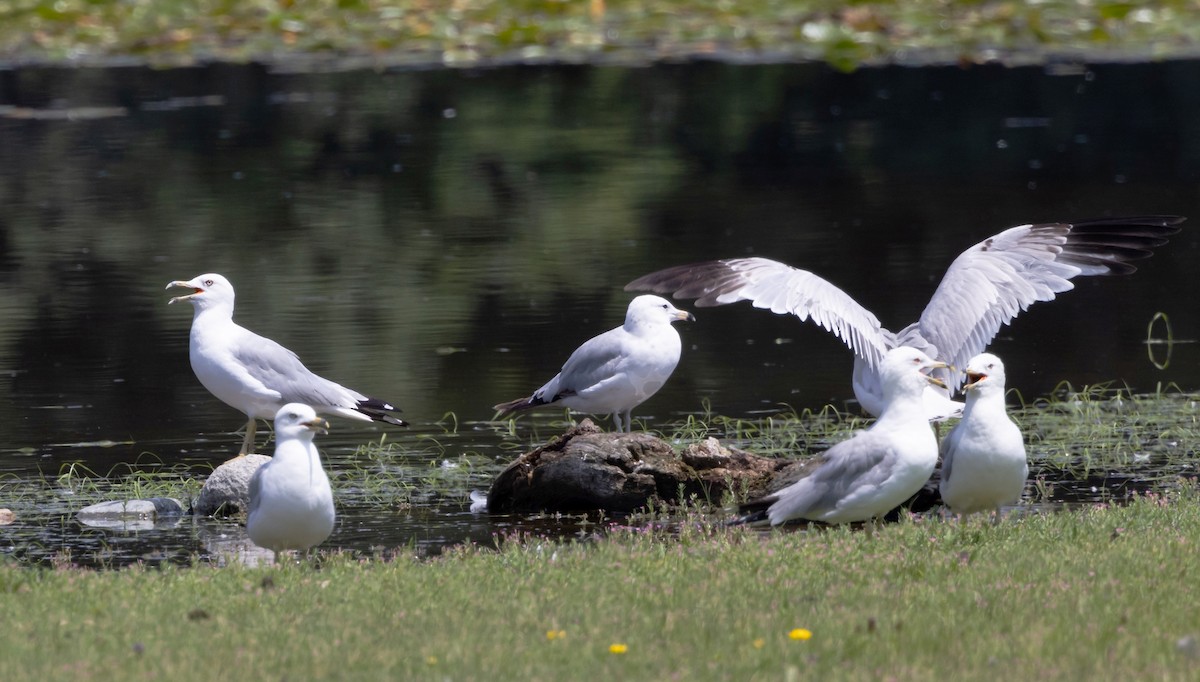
{"x":983,"y":457}
{"x":984,"y":289}
{"x":291,"y":504}
{"x":252,"y":373}
{"x":618,"y":370}
{"x":877,"y":469}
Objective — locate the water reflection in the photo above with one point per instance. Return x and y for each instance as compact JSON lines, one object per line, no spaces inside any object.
{"x":444,"y":237}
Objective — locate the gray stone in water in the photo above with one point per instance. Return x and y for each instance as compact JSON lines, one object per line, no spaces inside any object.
{"x":132,"y":514}
{"x":587,"y":469}
{"x":151,"y":508}
{"x":227,"y":489}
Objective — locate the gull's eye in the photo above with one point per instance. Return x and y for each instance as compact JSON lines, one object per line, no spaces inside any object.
{"x":208,"y":282}
{"x":664,"y":307}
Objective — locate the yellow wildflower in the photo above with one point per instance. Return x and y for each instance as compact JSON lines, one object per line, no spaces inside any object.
{"x":617,"y":648}
{"x":800,"y":634}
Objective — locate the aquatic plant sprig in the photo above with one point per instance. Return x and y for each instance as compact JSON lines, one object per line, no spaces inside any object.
{"x":395,"y":475}
{"x":785,"y":433}
{"x":371,"y":475}
{"x":1105,"y":428}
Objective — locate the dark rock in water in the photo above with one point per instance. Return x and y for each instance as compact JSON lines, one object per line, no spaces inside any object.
{"x":587,"y":469}
{"x":227,"y":490}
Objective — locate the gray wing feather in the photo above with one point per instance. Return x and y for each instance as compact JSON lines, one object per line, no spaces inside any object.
{"x":946,"y":450}
{"x":865,"y":459}
{"x":993,"y":281}
{"x":255,"y":487}
{"x":597,"y":359}
{"x":279,"y":369}
{"x":779,"y":288}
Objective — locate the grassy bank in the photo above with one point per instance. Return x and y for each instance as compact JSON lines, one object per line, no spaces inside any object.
{"x":479,"y":31}
{"x":1095,"y":593}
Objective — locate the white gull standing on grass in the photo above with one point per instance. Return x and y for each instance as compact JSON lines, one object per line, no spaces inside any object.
{"x":984,"y":289}
{"x":291,"y":503}
{"x":618,"y":370}
{"x":983,"y":457}
{"x":877,"y":469}
{"x":252,"y":373}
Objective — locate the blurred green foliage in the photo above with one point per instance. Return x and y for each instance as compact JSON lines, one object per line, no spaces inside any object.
{"x":845,"y":34}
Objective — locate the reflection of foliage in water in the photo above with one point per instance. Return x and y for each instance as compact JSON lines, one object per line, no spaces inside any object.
{"x":379,"y":223}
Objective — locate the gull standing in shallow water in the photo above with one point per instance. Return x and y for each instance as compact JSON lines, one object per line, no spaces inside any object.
{"x":618,"y":370}
{"x":984,"y":289}
{"x":291,"y":504}
{"x":875,"y":470}
{"x":252,"y":373}
{"x":983,"y":457}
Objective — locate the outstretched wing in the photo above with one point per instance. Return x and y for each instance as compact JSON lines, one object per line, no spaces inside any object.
{"x":779,"y":288}
{"x":993,"y":281}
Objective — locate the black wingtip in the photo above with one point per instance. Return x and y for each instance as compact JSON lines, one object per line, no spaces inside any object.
{"x":519,"y":405}
{"x":754,"y":511}
{"x":378,"y":411}
{"x":1107,"y":246}
{"x":668,"y":280}
{"x":705,"y":282}
{"x":389,"y":419}
{"x":758,"y":516}
{"x":1172,"y":222}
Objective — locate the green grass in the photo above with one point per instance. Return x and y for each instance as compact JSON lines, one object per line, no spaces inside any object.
{"x":1101,"y":593}
{"x":470,"y":32}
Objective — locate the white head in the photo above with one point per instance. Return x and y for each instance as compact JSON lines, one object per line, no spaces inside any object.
{"x":651,"y":309}
{"x":904,"y":372}
{"x":985,"y":374}
{"x":297,"y":420}
{"x":208,"y":291}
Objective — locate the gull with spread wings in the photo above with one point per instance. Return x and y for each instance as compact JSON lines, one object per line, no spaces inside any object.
{"x":984,"y":289}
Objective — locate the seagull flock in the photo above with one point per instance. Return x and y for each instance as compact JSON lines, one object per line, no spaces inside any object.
{"x":906,"y":379}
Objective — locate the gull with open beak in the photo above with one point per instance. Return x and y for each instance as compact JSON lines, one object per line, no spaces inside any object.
{"x":983,"y":457}
{"x":254,"y":374}
{"x":877,"y":469}
{"x":618,"y":370}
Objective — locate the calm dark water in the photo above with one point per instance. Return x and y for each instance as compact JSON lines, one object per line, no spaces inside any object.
{"x":444,"y":239}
